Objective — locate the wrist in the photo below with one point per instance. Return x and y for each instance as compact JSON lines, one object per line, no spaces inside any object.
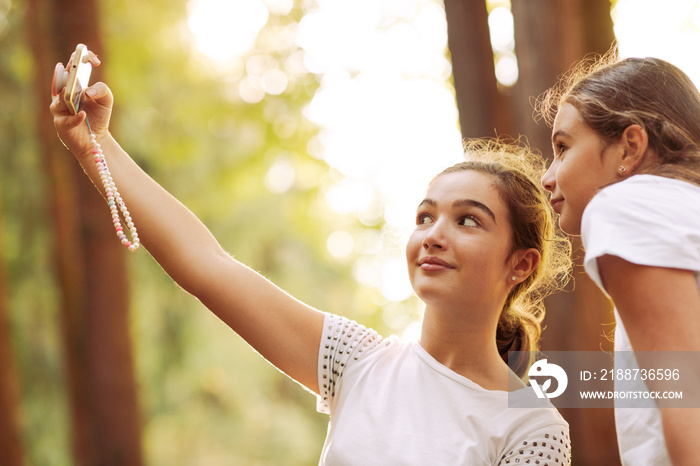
{"x":111,"y":194}
{"x":87,"y":154}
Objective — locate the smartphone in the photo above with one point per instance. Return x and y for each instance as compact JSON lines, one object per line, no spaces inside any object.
{"x":75,"y":78}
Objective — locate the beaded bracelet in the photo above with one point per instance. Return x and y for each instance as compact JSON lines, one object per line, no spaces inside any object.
{"x":114,"y":199}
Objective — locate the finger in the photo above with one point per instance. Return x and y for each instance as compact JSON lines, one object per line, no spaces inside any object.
{"x":54,"y":105}
{"x":66,"y":123}
{"x":58,"y":105}
{"x":79,"y":118}
{"x":92,"y":58}
{"x":55,"y":78}
{"x":73,"y":121}
{"x":100,"y":94}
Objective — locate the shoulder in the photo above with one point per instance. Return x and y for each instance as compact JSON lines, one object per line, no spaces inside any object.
{"x":345,"y":344}
{"x":534,"y":430}
{"x":548,"y":444}
{"x":659,"y":194}
{"x":646,"y":220}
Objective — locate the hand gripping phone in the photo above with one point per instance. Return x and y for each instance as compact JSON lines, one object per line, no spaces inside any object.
{"x":74,"y":78}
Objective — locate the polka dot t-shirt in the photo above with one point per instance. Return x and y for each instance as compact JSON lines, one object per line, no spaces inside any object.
{"x":390,"y":402}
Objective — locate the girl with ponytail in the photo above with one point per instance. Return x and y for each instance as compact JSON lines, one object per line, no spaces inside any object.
{"x":513,"y":170}
{"x":483,"y":254}
{"x":626,"y":177}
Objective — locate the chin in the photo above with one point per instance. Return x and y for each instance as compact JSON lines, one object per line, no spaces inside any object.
{"x":569,"y":227}
{"x":427,"y":293}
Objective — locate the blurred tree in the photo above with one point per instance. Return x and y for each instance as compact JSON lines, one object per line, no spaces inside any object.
{"x":483,"y":110}
{"x":207,"y":397}
{"x":10,"y":438}
{"x":89,"y":264}
{"x":29,"y":290}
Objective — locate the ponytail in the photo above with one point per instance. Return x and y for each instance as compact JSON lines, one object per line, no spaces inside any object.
{"x":518,"y":332}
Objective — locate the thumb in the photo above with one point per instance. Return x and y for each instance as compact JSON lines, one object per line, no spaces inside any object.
{"x":100,"y":93}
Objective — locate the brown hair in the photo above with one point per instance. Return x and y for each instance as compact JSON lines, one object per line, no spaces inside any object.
{"x":517,"y":172}
{"x":612,"y":94}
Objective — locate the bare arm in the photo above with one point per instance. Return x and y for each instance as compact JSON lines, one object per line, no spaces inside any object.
{"x":285,"y":331}
{"x":660,"y":309}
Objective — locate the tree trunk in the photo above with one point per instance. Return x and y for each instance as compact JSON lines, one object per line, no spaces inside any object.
{"x":105,"y":424}
{"x":550,"y":36}
{"x":548,"y":40}
{"x":483,"y":110}
{"x":10,"y":437}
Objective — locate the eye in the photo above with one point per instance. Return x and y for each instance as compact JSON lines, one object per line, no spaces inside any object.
{"x":469,"y":221}
{"x":559,"y":149}
{"x":423,"y":219}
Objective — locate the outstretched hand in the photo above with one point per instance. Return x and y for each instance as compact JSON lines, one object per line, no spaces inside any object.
{"x":96,"y":107}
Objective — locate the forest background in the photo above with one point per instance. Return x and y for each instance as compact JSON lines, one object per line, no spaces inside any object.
{"x":302,"y":132}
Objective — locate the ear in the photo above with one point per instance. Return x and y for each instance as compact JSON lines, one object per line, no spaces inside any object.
{"x":635,"y":142}
{"x":524,"y":262}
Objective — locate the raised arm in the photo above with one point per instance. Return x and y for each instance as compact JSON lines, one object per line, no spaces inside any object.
{"x":660,"y":309}
{"x":285,"y":331}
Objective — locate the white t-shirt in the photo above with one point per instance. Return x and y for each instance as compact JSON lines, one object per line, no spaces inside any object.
{"x":391,"y":403}
{"x":653,"y":221}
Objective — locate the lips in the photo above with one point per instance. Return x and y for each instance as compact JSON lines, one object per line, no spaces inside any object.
{"x":432,"y":263}
{"x":557,"y":204}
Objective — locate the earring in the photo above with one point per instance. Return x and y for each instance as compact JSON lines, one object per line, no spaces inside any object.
{"x":621,"y":169}
{"x":513,"y":278}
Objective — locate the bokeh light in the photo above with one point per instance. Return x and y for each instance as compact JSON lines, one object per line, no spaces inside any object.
{"x":386,"y":113}
{"x":502,"y":35}
{"x":340,"y":244}
{"x":669,"y":30}
{"x":225,"y":30}
{"x":385,"y":108}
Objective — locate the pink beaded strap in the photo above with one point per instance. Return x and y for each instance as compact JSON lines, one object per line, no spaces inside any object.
{"x":114,"y":199}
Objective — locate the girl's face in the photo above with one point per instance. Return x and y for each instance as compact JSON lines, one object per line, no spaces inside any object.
{"x":582,"y":165}
{"x":459,"y":251}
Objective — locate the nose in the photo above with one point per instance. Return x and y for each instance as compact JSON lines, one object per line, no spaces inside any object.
{"x":548,"y":180}
{"x":435,"y":237}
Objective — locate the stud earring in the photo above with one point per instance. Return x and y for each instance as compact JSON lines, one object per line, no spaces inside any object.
{"x":513,"y":278}
{"x":621,"y":169}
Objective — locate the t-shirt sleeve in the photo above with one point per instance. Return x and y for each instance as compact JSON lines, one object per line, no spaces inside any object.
{"x":646,"y":220}
{"x":547,"y":446}
{"x":343,"y":343}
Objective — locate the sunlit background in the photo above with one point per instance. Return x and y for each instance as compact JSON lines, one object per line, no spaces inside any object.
{"x":208,"y":102}
{"x":385,"y":107}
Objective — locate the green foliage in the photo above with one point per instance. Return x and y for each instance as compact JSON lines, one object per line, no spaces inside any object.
{"x":25,"y":251}
{"x":206,"y":397}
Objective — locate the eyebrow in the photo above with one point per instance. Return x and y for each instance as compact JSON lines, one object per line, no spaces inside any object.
{"x":559,"y":133}
{"x":464,"y":203}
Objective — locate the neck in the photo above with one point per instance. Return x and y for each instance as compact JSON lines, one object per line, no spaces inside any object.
{"x":465,"y":342}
